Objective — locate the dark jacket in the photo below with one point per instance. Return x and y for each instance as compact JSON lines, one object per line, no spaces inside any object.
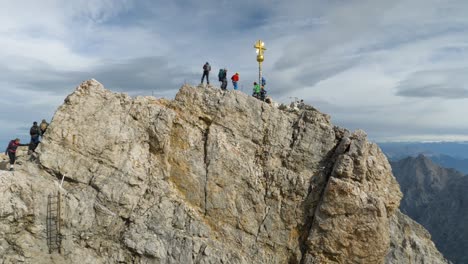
{"x":12,"y":146}
{"x":206,"y":67}
{"x":34,"y":131}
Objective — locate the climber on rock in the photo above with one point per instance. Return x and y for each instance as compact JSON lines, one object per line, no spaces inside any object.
{"x":235,"y":79}
{"x":256,"y":90}
{"x":43,"y":127}
{"x":35,"y":132}
{"x":206,"y":72}
{"x":11,"y":151}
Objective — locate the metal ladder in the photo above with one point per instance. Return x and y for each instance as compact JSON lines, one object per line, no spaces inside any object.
{"x":54,"y":239}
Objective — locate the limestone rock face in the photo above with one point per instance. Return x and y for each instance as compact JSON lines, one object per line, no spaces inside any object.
{"x":411,"y":243}
{"x":3,"y":161}
{"x":210,"y":177}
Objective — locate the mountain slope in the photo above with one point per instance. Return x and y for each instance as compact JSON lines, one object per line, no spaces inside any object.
{"x":436,"y":198}
{"x":210,"y":177}
{"x":445,"y":154}
{"x":447,"y":161}
{"x":410,"y":242}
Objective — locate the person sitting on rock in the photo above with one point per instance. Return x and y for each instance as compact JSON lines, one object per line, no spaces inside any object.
{"x":263,"y":93}
{"x":43,"y":127}
{"x":35,"y":133}
{"x":256,"y":90}
{"x":11,"y":151}
{"x":301,"y":104}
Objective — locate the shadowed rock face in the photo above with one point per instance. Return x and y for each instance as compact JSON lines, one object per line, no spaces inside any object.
{"x":436,"y":198}
{"x":210,"y":177}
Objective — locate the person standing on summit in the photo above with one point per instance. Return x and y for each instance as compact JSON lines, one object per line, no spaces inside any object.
{"x":222,"y":76}
{"x":206,"y":72}
{"x":235,"y":79}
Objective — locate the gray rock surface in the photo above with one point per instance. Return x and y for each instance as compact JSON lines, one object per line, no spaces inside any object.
{"x":411,"y":243}
{"x":210,"y":177}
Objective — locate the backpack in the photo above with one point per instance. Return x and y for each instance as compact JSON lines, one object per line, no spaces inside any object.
{"x":34,"y":131}
{"x":206,"y":67}
{"x":43,"y":126}
{"x":263,"y":81}
{"x":221,"y":75}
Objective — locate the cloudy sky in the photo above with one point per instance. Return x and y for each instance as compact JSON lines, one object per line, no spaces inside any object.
{"x":397,"y":69}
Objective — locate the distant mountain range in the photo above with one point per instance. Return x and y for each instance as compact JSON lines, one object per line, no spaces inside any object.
{"x":404,"y":149}
{"x":446,"y":154}
{"x":437,"y":198}
{"x":451,"y":162}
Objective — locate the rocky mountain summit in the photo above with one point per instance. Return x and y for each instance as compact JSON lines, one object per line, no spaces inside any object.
{"x":210,"y":177}
{"x":437,"y":198}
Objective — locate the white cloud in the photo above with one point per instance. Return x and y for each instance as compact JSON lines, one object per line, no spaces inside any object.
{"x":392,"y":68}
{"x":98,"y":11}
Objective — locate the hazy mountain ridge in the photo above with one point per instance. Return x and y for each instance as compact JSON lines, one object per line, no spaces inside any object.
{"x":446,"y":154}
{"x":399,"y":150}
{"x":437,"y":198}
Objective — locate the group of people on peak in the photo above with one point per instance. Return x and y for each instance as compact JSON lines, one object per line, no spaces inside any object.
{"x":259,"y":91}
{"x":36,"y":132}
{"x":222,"y":77}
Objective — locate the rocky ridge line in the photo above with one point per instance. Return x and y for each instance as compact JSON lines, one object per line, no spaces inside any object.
{"x":210,"y":177}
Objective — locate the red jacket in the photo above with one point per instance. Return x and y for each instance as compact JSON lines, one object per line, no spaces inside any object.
{"x":12,"y":146}
{"x":235,"y":78}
